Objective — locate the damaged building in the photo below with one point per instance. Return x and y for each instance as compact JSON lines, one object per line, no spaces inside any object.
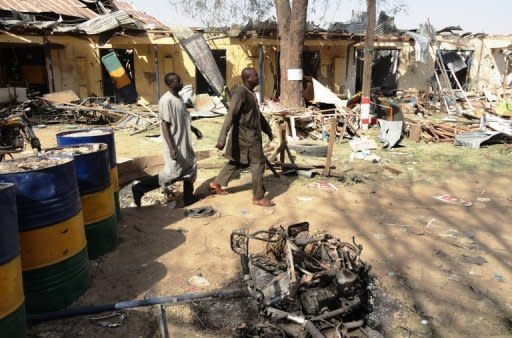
{"x":54,"y":46}
{"x":60,"y":45}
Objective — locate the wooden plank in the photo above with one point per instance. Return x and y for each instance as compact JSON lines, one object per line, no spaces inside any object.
{"x":65,"y":96}
{"x":302,"y":166}
{"x":332,"y":137}
{"x":415,"y":132}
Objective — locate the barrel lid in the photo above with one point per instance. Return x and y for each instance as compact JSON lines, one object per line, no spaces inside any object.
{"x":75,"y":149}
{"x":32,"y":163}
{"x":87,"y":132}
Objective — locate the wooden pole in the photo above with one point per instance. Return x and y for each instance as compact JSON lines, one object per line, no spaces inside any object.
{"x":282,"y":136}
{"x":332,"y":137}
{"x":367,"y":68}
{"x":49,"y":65}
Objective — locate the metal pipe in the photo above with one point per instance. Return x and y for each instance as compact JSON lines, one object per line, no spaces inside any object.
{"x":164,"y":331}
{"x":277,"y":314}
{"x":168,"y":300}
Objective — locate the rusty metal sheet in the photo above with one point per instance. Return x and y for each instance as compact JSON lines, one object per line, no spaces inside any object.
{"x":138,"y":14}
{"x":64,"y":7}
{"x":202,"y":57}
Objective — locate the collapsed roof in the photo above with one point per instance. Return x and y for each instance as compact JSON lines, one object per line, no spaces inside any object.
{"x":74,"y":16}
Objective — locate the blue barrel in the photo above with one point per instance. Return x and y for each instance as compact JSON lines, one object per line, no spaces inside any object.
{"x":51,"y":230}
{"x":96,"y":194}
{"x":12,"y":304}
{"x":96,"y":135}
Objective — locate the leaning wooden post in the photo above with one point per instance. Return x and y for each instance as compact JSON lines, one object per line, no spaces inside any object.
{"x":332,"y":137}
{"x":282,"y":136}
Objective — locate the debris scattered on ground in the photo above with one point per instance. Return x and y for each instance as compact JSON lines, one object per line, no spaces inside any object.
{"x":498,"y":277}
{"x":198,"y":281}
{"x":325,"y":186}
{"x":32,"y":163}
{"x":433,"y":132}
{"x":362,"y":144}
{"x":450,"y":199}
{"x":478,"y":260}
{"x":199,"y":212}
{"x":115,"y":319}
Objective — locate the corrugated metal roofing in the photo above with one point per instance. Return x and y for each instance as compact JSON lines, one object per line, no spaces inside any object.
{"x":64,"y":7}
{"x":138,"y":14}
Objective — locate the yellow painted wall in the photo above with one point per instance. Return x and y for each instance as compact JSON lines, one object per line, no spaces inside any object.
{"x":76,"y":65}
{"x":241,"y":54}
{"x":332,"y":67}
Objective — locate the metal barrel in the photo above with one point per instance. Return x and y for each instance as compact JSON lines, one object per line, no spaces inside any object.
{"x":96,"y":194}
{"x":12,"y":304}
{"x":96,"y":135}
{"x":51,"y":230}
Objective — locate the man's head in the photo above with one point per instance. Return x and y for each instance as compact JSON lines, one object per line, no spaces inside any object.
{"x":173,"y":82}
{"x":249,"y":77}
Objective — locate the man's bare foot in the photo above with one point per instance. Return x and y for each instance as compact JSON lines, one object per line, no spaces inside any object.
{"x":263,"y":202}
{"x":217,"y":189}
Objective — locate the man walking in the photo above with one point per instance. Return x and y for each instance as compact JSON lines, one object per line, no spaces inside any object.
{"x":179,"y":155}
{"x":244,"y":146}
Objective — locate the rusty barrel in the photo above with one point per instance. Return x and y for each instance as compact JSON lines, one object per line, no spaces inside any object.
{"x":96,"y":194}
{"x":12,"y":304}
{"x":51,"y":231}
{"x":96,"y":135}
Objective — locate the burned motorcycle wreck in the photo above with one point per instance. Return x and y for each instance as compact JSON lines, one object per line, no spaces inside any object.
{"x":305,"y":285}
{"x":16,"y":130}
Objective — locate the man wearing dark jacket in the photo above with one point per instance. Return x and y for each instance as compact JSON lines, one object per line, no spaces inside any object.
{"x":244,"y":146}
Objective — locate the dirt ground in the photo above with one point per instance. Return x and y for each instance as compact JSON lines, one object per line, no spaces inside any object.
{"x":443,"y":270}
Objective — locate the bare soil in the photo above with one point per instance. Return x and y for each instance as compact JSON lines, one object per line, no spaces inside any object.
{"x":443,"y":270}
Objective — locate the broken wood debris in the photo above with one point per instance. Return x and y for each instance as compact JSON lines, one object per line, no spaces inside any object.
{"x":434,"y":132}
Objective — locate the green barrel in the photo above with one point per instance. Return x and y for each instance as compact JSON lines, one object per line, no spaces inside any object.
{"x":96,"y":194}
{"x":12,"y":304}
{"x":96,"y":135}
{"x":51,"y":230}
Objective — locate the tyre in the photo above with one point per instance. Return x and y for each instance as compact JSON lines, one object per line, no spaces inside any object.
{"x":309,"y":149}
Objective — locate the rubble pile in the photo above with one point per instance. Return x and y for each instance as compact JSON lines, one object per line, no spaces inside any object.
{"x":32,"y":163}
{"x":305,"y":283}
{"x":433,"y":132}
{"x":73,"y":150}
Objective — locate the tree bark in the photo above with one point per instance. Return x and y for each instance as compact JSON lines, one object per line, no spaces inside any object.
{"x":291,"y":22}
{"x":367,"y":67}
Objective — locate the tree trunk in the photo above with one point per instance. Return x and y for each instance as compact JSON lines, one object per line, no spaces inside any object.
{"x":292,"y":29}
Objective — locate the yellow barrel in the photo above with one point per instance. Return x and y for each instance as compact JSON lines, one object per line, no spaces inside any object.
{"x":96,"y":194}
{"x":96,"y":135}
{"x":12,"y":304}
{"x":51,"y":229}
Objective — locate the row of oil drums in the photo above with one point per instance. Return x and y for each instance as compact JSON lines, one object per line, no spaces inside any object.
{"x":57,"y":210}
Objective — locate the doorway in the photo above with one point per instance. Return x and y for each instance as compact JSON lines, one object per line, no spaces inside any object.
{"x":384,"y":69}
{"x":460,"y":62}
{"x":125,"y":57}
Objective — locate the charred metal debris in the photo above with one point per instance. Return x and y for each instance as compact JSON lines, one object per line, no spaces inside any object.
{"x":305,"y":285}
